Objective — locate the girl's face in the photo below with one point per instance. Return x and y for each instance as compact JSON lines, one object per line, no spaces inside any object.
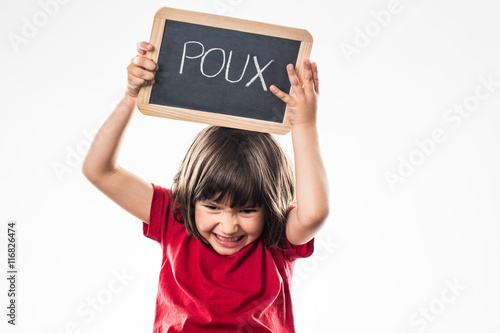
{"x":228,"y":229}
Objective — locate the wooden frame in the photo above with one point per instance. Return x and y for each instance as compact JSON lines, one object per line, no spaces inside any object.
{"x":230,"y":24}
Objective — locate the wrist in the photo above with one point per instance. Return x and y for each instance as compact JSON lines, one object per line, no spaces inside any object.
{"x":130,"y":100}
{"x":304,"y":127}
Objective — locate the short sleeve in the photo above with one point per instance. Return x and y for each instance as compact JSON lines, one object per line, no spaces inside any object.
{"x":293,"y":252}
{"x":157,"y":227}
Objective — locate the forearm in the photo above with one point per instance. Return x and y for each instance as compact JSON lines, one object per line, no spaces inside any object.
{"x":103,"y":153}
{"x":310,"y":174}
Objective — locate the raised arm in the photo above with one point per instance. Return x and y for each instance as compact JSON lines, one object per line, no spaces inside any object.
{"x":312,"y":186}
{"x":101,"y":167}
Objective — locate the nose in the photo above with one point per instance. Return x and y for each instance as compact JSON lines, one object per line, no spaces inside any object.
{"x":228,"y":224}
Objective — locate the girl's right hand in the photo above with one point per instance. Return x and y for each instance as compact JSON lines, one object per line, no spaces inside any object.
{"x":141,"y":71}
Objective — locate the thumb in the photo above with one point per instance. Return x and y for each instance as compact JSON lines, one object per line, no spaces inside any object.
{"x":143,"y":48}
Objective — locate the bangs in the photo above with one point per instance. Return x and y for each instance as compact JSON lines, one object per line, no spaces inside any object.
{"x":230,"y":176}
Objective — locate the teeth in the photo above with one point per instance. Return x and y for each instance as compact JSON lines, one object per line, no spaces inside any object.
{"x":233,"y":239}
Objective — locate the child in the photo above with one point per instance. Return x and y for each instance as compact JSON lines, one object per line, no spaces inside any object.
{"x":227,"y":229}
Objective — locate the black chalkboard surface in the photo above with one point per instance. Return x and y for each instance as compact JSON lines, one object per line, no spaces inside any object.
{"x":218,"y":70}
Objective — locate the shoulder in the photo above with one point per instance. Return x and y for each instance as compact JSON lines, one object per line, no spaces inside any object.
{"x":162,"y":216}
{"x":292,"y":252}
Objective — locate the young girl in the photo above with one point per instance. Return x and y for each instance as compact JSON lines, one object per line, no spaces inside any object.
{"x":227,"y":229}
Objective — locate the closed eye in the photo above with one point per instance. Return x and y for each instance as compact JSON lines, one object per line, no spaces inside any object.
{"x":210,"y":207}
{"x":248,"y":211}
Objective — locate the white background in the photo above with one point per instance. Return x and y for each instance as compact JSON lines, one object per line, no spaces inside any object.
{"x":388,"y":254}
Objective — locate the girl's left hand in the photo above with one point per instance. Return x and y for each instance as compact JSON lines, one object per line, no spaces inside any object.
{"x":302,"y":102}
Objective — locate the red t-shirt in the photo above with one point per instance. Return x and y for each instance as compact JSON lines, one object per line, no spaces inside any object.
{"x":200,"y":290}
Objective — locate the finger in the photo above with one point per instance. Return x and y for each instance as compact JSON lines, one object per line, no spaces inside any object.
{"x":145,"y":63}
{"x":134,"y":84}
{"x":315,"y":77}
{"x":137,"y":82}
{"x":307,"y":79}
{"x":144,"y":47}
{"x":140,"y":72}
{"x":280,"y":94}
{"x":294,"y":80}
{"x":134,"y":88}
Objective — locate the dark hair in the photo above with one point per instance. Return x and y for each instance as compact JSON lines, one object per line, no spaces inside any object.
{"x":241,"y":166}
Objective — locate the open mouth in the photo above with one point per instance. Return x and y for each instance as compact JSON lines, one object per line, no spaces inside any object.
{"x":228,"y":242}
{"x":232,"y":239}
